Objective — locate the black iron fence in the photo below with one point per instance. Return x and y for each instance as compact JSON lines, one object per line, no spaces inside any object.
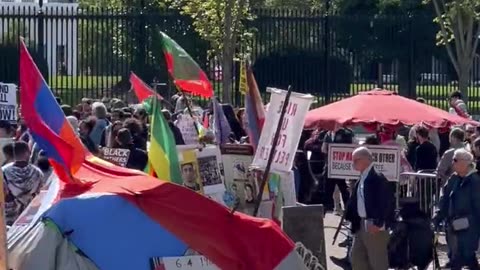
{"x":90,"y":53}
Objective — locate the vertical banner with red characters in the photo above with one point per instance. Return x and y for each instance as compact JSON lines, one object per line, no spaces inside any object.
{"x":290,"y":132}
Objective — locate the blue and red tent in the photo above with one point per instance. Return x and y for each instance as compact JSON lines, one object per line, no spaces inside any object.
{"x":118,"y":218}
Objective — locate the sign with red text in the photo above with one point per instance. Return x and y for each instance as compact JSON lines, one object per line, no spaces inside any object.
{"x":291,"y":129}
{"x":340,"y":163}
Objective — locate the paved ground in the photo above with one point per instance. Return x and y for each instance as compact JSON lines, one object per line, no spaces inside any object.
{"x":331,"y":223}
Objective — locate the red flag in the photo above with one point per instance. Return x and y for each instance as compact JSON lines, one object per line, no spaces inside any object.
{"x":186,"y":73}
{"x":142,"y":90}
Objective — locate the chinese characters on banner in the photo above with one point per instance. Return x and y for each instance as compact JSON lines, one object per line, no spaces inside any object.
{"x":291,"y":129}
{"x":340,"y":163}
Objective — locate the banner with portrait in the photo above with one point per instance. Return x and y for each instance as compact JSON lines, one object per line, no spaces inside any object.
{"x":187,"y":157}
{"x":239,"y":181}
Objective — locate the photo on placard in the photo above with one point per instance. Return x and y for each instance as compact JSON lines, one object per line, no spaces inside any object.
{"x":189,"y":176}
{"x":187,"y":158}
{"x":209,"y":172}
{"x":240,"y":168}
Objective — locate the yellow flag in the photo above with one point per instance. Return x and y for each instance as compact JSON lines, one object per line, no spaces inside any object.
{"x":243,"y":78}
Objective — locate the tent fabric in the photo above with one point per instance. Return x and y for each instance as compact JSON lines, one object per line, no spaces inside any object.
{"x":380,"y":107}
{"x":106,"y":226}
{"x":292,"y":261}
{"x":44,"y":247}
{"x":201,"y":223}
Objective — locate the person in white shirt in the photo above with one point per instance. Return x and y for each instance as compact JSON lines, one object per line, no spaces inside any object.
{"x":371,"y":212}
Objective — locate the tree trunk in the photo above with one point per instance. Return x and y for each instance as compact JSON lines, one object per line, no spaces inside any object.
{"x":228,"y":49}
{"x":464,"y":79}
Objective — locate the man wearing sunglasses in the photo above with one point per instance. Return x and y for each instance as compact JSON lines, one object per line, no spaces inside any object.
{"x":370,"y":211}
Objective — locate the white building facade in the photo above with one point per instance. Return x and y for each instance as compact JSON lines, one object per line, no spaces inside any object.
{"x":60,"y":30}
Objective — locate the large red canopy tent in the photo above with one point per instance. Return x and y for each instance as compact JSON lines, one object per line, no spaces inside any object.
{"x":383,"y":107}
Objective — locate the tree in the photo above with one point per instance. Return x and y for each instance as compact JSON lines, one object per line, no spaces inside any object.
{"x":459,"y":33}
{"x":220,"y":22}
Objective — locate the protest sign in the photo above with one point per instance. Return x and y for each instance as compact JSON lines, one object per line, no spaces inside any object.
{"x":239,"y":181}
{"x":340,"y":163}
{"x":291,"y":128}
{"x":186,"y":124}
{"x":209,"y":170}
{"x":196,"y":262}
{"x":118,"y":156}
{"x":187,"y":157}
{"x":8,"y":102}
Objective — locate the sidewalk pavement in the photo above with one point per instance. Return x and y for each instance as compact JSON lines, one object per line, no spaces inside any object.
{"x":331,"y":222}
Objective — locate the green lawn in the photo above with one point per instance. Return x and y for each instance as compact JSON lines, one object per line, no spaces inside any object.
{"x":83,"y":82}
{"x":73,"y":88}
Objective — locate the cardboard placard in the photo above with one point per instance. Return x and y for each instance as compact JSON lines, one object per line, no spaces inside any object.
{"x":340,"y":163}
{"x":187,"y":157}
{"x":209,"y":170}
{"x":8,"y":102}
{"x":118,"y":156}
{"x":196,"y":262}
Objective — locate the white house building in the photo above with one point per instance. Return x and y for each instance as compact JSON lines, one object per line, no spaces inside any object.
{"x":59,"y":34}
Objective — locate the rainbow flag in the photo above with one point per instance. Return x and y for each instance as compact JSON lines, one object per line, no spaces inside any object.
{"x":254,"y":109}
{"x":47,"y":122}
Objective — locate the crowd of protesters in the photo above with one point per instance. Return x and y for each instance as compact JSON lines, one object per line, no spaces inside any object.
{"x":105,"y":123}
{"x":453,"y":154}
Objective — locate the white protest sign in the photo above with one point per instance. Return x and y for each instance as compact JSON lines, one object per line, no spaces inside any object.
{"x":8,"y":102}
{"x":291,"y":129}
{"x":118,"y":156}
{"x":188,"y":263}
{"x":340,"y":162}
{"x":186,"y":124}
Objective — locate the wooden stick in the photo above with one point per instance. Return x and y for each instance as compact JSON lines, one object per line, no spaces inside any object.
{"x":272,"y":152}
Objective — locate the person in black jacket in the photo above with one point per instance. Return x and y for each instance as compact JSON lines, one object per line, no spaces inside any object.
{"x":138,"y":158}
{"x":371,"y":212}
{"x":426,"y":153}
{"x":177,"y":134}
{"x":85,"y":129}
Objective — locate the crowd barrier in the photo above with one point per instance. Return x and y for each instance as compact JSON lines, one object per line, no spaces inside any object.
{"x":420,"y":188}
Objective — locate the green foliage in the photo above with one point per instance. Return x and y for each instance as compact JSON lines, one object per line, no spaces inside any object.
{"x":452,"y":15}
{"x":209,"y":21}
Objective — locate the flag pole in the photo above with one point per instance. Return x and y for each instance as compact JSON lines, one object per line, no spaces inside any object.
{"x":272,"y":152}
{"x":188,"y":104}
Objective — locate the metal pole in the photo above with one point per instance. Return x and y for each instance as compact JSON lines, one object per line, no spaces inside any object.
{"x":272,"y":152}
